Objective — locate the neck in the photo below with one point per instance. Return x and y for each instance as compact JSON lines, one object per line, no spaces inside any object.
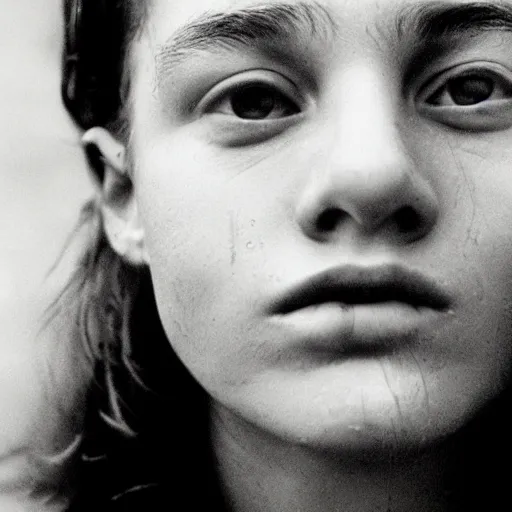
{"x":260,"y":473}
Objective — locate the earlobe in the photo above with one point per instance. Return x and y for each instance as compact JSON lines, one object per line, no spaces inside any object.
{"x":119,"y":210}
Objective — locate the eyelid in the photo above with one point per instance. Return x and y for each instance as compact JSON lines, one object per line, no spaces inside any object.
{"x":484,"y":68}
{"x":482,"y":117}
{"x":256,"y":76}
{"x":489,"y":115}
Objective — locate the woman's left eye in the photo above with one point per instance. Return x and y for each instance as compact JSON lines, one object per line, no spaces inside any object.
{"x":470,"y":89}
{"x":471,"y":97}
{"x":255,"y":102}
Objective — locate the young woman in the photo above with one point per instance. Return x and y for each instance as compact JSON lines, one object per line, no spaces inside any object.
{"x":297,"y":293}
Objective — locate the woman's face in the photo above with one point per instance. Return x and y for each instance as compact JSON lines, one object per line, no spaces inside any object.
{"x":326,"y":194}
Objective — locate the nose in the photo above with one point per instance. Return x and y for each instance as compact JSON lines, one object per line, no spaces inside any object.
{"x":366,"y":175}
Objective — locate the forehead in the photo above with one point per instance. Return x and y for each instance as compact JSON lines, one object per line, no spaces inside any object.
{"x":178,"y":31}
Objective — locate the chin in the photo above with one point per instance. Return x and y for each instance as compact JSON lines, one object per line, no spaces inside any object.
{"x":377,"y":438}
{"x":358,"y":417}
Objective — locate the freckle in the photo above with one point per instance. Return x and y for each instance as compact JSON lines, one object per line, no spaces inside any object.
{"x":253,"y":222}
{"x":250,"y":245}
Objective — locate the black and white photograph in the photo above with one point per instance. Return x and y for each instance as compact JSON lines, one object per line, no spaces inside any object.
{"x":257,"y":255}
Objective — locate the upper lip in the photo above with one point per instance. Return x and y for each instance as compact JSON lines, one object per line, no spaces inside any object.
{"x":350,"y":284}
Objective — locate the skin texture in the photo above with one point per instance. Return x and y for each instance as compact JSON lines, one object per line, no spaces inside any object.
{"x":233,"y":214}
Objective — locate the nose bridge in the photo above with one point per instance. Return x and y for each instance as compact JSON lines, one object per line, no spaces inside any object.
{"x":367,"y":172}
{"x":366,"y":142}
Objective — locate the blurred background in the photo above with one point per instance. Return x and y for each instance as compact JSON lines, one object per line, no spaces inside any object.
{"x":43,"y":178}
{"x":43,"y":183}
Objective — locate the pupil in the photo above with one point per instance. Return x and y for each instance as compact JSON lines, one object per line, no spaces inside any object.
{"x":253,"y":102}
{"x":469,"y":90}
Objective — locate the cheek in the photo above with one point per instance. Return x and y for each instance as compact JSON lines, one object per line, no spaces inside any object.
{"x":197,"y":231}
{"x":475,"y":248}
{"x":216,"y":221}
{"x":186,"y":227}
{"x":182,"y":205}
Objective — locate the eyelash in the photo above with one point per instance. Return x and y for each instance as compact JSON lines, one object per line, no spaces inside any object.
{"x":279,"y":92}
{"x":269,"y":102}
{"x":260,"y":102}
{"x":489,"y":73}
{"x":484,"y":97}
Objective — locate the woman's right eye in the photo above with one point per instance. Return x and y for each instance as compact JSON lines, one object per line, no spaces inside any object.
{"x":255,"y":102}
{"x":258,"y":95}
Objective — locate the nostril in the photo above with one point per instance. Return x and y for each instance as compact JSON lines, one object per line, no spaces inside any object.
{"x":329,"y":219}
{"x":407,"y":219}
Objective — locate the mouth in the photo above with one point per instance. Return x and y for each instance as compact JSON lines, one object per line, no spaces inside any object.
{"x":353,"y":286}
{"x":359,"y":311}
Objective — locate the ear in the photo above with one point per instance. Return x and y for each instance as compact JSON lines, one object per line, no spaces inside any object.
{"x":118,"y":206}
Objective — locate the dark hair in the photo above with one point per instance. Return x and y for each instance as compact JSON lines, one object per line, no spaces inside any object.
{"x":98,"y":36}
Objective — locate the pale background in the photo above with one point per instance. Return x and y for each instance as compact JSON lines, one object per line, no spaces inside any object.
{"x":42,"y":176}
{"x":43,"y":182}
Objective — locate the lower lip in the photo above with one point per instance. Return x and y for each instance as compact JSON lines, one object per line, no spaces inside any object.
{"x":357,"y":328}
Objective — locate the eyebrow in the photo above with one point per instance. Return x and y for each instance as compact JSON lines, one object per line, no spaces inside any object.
{"x":246,"y":27}
{"x":428,"y":24}
{"x":444,"y":20}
